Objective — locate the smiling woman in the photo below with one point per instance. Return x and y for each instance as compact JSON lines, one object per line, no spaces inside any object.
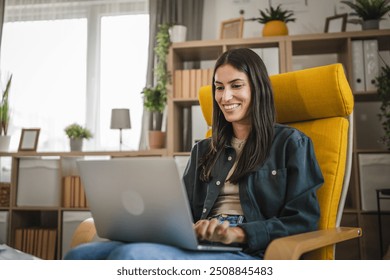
{"x":74,"y":62}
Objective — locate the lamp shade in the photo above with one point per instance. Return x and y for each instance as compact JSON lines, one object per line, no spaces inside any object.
{"x":120,"y":119}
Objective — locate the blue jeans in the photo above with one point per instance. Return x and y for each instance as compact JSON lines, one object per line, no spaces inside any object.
{"x":114,"y":250}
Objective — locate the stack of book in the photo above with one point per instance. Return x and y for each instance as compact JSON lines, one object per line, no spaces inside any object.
{"x":188,"y":82}
{"x":40,"y":242}
{"x":73,"y":195}
{"x":4,"y":194}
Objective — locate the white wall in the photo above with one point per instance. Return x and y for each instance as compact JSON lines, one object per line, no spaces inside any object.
{"x":310,"y":15}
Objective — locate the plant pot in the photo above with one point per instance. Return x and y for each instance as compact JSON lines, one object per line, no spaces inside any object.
{"x":177,"y":33}
{"x":275,"y":28}
{"x":4,"y":143}
{"x":156,"y":139}
{"x":76,"y":145}
{"x":370,"y":24}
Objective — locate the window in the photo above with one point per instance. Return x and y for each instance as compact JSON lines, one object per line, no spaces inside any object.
{"x":48,"y":62}
{"x":123,"y":75}
{"x":74,"y":63}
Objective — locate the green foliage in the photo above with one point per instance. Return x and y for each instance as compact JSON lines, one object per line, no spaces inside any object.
{"x":4,"y":109}
{"x":383,"y":84}
{"x":155,"y":98}
{"x":76,"y":131}
{"x":275,"y":14}
{"x":369,"y":9}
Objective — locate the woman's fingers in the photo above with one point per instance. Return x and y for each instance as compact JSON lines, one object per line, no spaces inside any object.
{"x":211,"y":230}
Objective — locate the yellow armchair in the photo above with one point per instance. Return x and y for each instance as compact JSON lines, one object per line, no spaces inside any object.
{"x":319,"y":102}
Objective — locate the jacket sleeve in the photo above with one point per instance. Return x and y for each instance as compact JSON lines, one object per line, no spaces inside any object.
{"x":299,"y":210}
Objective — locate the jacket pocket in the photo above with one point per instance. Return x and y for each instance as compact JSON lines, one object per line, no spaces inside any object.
{"x":269,"y":189}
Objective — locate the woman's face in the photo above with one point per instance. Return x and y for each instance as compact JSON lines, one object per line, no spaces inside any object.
{"x":233,"y":94}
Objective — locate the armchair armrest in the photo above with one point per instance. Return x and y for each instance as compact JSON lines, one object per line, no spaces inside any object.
{"x":84,"y":233}
{"x":294,"y":246}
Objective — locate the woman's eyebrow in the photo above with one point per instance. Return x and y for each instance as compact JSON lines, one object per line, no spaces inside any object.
{"x":230,"y":82}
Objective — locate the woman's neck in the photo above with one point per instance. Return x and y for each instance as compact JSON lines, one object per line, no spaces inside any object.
{"x":241,"y":131}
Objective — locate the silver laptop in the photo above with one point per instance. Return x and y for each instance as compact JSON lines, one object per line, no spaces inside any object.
{"x":140,"y":199}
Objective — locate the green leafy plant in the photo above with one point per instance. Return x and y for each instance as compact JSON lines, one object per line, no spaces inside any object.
{"x":155,"y":98}
{"x":368,"y":9}
{"x":76,"y":131}
{"x":383,"y":85}
{"x":277,"y":13}
{"x":4,"y":108}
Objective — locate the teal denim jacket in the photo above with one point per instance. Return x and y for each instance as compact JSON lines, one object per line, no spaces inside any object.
{"x":278,"y":199}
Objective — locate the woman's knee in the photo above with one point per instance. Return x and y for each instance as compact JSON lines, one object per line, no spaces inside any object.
{"x":92,"y":251}
{"x":142,"y":251}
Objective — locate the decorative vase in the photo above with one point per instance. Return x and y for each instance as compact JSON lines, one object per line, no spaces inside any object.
{"x":177,"y":33}
{"x":4,"y":143}
{"x":275,"y":28}
{"x":156,"y":139}
{"x":76,"y":145}
{"x":370,"y":24}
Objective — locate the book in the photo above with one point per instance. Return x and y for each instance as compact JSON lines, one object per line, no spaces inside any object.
{"x":185,"y":86}
{"x":76,"y":202}
{"x":371,"y":64}
{"x":192,"y":89}
{"x":66,"y":189}
{"x":358,"y":82}
{"x":51,"y":246}
{"x":178,"y":84}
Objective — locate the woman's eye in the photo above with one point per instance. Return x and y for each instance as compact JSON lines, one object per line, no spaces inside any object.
{"x":236,"y":86}
{"x":219,"y":88}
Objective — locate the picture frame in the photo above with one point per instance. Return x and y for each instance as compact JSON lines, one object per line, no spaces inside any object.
{"x":29,"y":139}
{"x":232,"y":28}
{"x":337,"y":23}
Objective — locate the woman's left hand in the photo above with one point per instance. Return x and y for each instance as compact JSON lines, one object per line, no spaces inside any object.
{"x":214,"y":231}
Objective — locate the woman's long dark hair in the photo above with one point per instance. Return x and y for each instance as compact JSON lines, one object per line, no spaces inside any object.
{"x":262,"y":114}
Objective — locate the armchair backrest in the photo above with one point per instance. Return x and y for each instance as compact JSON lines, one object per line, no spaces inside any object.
{"x":319,"y":102}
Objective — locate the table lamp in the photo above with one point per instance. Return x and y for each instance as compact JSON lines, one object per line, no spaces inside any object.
{"x":120,"y":119}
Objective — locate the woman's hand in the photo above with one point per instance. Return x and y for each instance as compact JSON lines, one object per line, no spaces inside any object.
{"x":212,"y":230}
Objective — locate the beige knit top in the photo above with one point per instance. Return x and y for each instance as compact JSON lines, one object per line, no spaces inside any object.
{"x":228,"y":201}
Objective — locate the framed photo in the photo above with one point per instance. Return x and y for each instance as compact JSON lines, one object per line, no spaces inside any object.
{"x":337,"y":23}
{"x":232,"y":28}
{"x":29,"y":139}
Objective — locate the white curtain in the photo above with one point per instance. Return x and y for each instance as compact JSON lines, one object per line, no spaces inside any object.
{"x":91,"y":11}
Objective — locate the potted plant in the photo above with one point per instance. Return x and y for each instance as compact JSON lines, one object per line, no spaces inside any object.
{"x":383,"y":85}
{"x":76,"y":134}
{"x":5,"y":117}
{"x":275,"y":21}
{"x":155,"y":98}
{"x":370,"y":12}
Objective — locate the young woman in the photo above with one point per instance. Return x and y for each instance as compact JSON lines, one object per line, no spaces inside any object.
{"x":251,"y":182}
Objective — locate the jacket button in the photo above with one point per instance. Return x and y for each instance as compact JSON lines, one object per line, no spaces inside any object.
{"x":218,"y":183}
{"x":204,"y":210}
{"x":230,"y":158}
{"x":273,"y":172}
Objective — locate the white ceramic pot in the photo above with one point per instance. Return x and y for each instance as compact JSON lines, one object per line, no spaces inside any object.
{"x":4,"y":143}
{"x":76,"y":145}
{"x":178,"y":33}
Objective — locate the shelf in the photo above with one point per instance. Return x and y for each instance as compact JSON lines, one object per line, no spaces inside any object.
{"x":156,"y":152}
{"x":46,"y":210}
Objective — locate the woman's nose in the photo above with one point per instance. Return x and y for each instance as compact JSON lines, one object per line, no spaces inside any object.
{"x":227,"y":95}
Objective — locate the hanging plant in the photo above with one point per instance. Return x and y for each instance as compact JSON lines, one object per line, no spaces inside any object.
{"x":155,"y":98}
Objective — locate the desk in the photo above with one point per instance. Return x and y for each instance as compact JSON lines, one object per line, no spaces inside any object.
{"x":381,"y":194}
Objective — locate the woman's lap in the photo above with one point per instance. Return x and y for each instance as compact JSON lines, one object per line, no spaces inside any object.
{"x":147,"y":251}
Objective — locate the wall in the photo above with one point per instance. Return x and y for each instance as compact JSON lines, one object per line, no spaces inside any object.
{"x":310,"y":15}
